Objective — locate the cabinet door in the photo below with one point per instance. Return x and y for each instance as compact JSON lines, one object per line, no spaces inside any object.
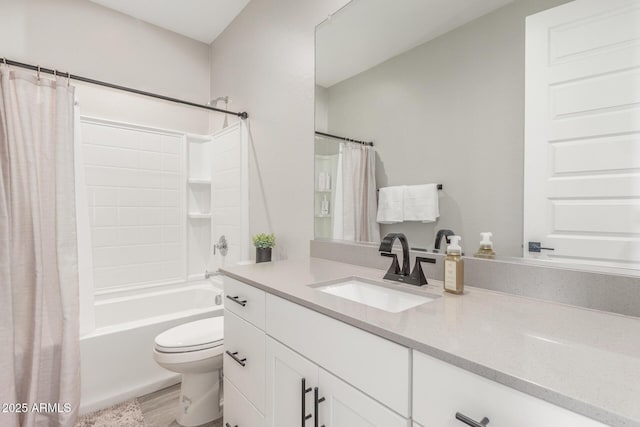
{"x":287,"y":374}
{"x":341,"y":405}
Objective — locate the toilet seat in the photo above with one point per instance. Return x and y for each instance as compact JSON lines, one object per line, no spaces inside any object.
{"x":191,"y":337}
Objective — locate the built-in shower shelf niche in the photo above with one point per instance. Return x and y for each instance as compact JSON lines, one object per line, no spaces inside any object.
{"x":327,"y":165}
{"x":217,"y":198}
{"x":199,"y":199}
{"x":195,"y":181}
{"x":199,"y":169}
{"x":200,"y":152}
{"x":198,"y":215}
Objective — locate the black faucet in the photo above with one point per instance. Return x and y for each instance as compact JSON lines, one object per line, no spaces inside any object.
{"x":442,"y":233}
{"x":416,"y":277}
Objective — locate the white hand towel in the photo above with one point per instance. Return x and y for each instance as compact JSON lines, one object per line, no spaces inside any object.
{"x":390,"y":205}
{"x":421,"y":203}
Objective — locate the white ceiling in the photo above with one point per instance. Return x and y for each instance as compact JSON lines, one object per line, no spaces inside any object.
{"x":366,"y":33}
{"x":201,"y":20}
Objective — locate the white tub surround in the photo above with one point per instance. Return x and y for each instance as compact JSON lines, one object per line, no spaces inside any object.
{"x":117,"y":358}
{"x":567,"y":358}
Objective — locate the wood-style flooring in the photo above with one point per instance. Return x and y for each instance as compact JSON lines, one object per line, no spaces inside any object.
{"x":159,"y":408}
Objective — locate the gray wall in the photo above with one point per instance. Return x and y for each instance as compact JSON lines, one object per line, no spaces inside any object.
{"x":322,"y":109}
{"x":265,"y":61}
{"x":93,"y":41}
{"x":450,"y":111}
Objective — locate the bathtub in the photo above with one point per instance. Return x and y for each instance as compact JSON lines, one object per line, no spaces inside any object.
{"x":117,"y":357}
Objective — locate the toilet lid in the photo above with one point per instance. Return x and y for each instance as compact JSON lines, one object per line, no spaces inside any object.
{"x":192,"y":336}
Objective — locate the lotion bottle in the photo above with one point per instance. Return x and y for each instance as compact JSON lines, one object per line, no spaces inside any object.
{"x":486,"y":246}
{"x":322,"y":181}
{"x":324,"y":206}
{"x":454,"y":267}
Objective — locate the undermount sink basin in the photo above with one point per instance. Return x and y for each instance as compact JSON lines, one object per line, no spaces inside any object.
{"x":374,"y":294}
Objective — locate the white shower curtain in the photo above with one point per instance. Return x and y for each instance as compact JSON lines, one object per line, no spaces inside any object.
{"x":39,"y":344}
{"x":355,"y":205}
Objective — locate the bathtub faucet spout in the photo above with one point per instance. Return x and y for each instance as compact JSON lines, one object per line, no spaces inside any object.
{"x":208,"y":273}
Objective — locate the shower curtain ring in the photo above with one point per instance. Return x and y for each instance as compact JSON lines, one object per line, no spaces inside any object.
{"x":68,"y":79}
{"x":4,"y":61}
{"x":38,"y":73}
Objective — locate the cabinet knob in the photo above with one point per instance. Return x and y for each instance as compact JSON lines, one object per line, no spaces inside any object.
{"x":471,"y":422}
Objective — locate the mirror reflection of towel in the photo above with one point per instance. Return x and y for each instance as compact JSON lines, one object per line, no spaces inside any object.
{"x":391,"y":205}
{"x":408,"y":203}
{"x":421,"y":203}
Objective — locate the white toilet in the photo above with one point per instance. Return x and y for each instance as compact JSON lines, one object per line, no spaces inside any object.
{"x":195,"y":351}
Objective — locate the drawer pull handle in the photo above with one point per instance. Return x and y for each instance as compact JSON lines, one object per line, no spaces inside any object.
{"x":316,"y":402}
{"x":229,"y":425}
{"x":241,"y":362}
{"x":304,"y":391}
{"x":470,"y":422}
{"x":236,"y":299}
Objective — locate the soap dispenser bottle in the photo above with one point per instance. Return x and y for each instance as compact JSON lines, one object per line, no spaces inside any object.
{"x":486,"y":246}
{"x":453,"y":267}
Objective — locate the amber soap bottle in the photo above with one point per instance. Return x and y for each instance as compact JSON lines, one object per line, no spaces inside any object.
{"x":454,"y":267}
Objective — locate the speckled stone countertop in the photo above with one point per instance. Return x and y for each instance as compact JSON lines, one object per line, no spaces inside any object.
{"x":584,"y":360}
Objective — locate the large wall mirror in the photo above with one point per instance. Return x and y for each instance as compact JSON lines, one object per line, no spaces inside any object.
{"x":526,"y":112}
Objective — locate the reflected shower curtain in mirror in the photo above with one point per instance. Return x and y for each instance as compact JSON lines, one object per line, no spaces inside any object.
{"x":355,"y":205}
{"x":39,"y":343}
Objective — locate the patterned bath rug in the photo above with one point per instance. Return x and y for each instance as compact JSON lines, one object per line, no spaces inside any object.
{"x":125,"y":414}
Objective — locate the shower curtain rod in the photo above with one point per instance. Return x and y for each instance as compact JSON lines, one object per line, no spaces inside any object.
{"x":243,"y":115}
{"x":370,"y":143}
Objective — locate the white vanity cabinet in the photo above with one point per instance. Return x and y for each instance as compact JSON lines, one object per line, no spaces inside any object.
{"x":244,"y":356}
{"x":274,"y":348}
{"x":441,"y":390}
{"x":298,"y":391}
{"x":289,"y":366}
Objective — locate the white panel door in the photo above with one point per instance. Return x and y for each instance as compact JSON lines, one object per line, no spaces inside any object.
{"x":290,"y":382}
{"x":341,"y":405}
{"x":582,"y":133}
{"x":230,"y":195}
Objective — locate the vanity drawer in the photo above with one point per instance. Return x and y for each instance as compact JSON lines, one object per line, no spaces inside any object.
{"x":238,"y":411}
{"x":245,"y":301}
{"x":441,"y":390}
{"x":244,"y":358}
{"x":374,"y":365}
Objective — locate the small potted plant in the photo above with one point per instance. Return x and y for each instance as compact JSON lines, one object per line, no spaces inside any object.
{"x":264,"y":243}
